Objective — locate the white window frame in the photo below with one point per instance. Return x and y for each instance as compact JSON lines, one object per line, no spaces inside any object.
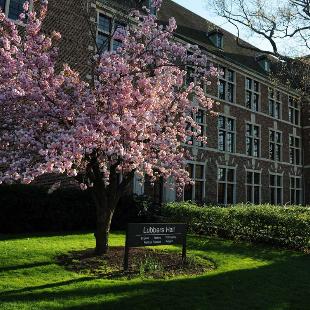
{"x":234,"y":183}
{"x":275,"y":144}
{"x":253,"y":138}
{"x":253,"y":92}
{"x":276,"y":186}
{"x":226,"y":131}
{"x":203,"y":179}
{"x":293,"y":110}
{"x":294,"y":148}
{"x":224,"y":78}
{"x":253,"y":185}
{"x":273,"y":96}
{"x":295,"y":189}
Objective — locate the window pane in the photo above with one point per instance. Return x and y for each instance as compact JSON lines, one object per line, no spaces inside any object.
{"x":103,"y":42}
{"x":198,"y":190}
{"x":272,"y":196}
{"x":249,"y":197}
{"x":230,"y":124}
{"x":272,"y":180}
{"x":279,"y":180}
{"x":292,"y":196}
{"x":256,"y":86}
{"x":298,"y":197}
{"x":271,"y":135}
{"x":277,"y":110}
{"x":221,"y":193}
{"x":230,"y":142}
{"x":272,"y":151}
{"x":190,"y":75}
{"x":249,"y":177}
{"x":188,"y":192}
{"x":230,"y":91}
{"x":104,"y":23}
{"x":230,"y":193}
{"x":230,"y":175}
{"x":296,"y":117}
{"x":221,"y":122}
{"x":298,"y":182}
{"x":278,"y":152}
{"x":221,"y":174}
{"x":2,"y":4}
{"x":271,"y":107}
{"x":199,"y":116}
{"x":248,"y":83}
{"x":190,"y":170}
{"x":248,"y":99}
{"x":256,"y":131}
{"x":249,"y":129}
{"x":256,"y":148}
{"x":116,"y":45}
{"x":230,"y":75}
{"x":256,"y":178}
{"x":256,"y":195}
{"x":222,"y":140}
{"x":255,"y":102}
{"x":199,"y":172}
{"x":249,"y":146}
{"x":279,"y":196}
{"x":222,"y":90}
{"x":16,"y":8}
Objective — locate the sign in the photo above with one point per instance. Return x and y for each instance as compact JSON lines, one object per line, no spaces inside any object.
{"x":153,"y":234}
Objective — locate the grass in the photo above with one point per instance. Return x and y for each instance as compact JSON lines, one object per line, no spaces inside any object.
{"x":247,"y":277}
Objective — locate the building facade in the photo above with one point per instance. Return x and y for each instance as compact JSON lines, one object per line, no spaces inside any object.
{"x":258,"y":141}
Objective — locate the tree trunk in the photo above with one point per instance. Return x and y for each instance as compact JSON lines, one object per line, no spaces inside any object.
{"x":106,"y":201}
{"x":104,"y":218}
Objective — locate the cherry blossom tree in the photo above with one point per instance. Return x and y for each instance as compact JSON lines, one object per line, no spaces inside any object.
{"x":135,"y":117}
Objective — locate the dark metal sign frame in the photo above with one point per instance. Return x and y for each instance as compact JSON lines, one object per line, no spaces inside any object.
{"x":153,"y":234}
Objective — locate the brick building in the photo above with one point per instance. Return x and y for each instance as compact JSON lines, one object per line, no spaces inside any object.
{"x":257,"y":147}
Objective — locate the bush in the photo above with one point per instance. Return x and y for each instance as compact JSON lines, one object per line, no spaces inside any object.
{"x":287,"y":226}
{"x":28,"y":209}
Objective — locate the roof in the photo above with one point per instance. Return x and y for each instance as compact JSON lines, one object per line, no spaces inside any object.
{"x":194,"y":28}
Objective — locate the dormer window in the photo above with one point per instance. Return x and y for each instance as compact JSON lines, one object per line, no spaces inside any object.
{"x":264,"y":62}
{"x":216,"y":38}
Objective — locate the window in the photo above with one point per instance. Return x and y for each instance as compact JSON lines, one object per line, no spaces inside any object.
{"x":296,"y":190}
{"x":138,"y":185}
{"x":253,"y":186}
{"x":276,"y":188}
{"x":195,"y":192}
{"x":293,"y":110}
{"x":274,"y":103}
{"x":202,"y":122}
{"x":216,"y":37}
{"x":106,"y":29}
{"x":226,"y":183}
{"x":264,"y":62}
{"x":252,"y":140}
{"x":13,"y":8}
{"x":226,"y":90}
{"x":227,"y":134}
{"x":295,"y":150}
{"x":252,"y":94}
{"x":275,"y":145}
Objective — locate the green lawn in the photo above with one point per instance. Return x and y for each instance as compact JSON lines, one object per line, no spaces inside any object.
{"x":247,"y":277}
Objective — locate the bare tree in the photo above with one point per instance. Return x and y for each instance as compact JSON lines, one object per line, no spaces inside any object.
{"x":275,"y":21}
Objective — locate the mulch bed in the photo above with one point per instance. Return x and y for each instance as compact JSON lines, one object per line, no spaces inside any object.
{"x":145,"y":262}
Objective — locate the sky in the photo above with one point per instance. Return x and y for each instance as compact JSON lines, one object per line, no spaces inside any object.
{"x":199,"y":7}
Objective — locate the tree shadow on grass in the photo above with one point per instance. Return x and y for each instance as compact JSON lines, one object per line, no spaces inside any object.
{"x":281,"y":285}
{"x":25,"y":266}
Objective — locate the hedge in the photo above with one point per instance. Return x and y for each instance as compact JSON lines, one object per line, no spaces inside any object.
{"x":28,"y":209}
{"x":287,"y":226}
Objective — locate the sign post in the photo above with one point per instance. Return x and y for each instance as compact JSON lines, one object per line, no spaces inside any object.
{"x":153,"y":234}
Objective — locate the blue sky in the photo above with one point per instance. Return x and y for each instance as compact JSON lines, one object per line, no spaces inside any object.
{"x":199,"y":7}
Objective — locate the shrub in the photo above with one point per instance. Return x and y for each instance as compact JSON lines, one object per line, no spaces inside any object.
{"x":287,"y":226}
